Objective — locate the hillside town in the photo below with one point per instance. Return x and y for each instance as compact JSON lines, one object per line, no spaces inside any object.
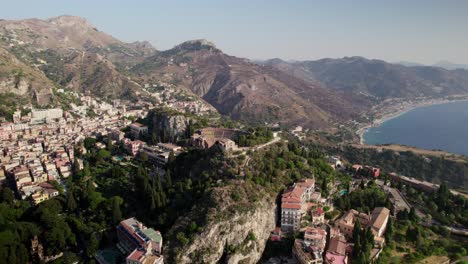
{"x":330,"y":240}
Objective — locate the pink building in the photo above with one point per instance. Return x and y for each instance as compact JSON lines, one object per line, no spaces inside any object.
{"x":336,"y":253}
{"x":134,"y":146}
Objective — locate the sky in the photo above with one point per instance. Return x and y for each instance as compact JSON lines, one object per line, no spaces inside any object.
{"x":397,"y":30}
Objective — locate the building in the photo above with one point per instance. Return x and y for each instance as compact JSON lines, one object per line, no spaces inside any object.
{"x":420,"y":185}
{"x":315,"y":237}
{"x":334,"y":162}
{"x":379,"y":220}
{"x":293,"y":205}
{"x":137,"y":129}
{"x":275,"y":234}
{"x":372,"y":171}
{"x":169,"y":147}
{"x":306,"y":254}
{"x":399,"y":203}
{"x":141,"y":245}
{"x":346,"y":223}
{"x":226,"y":145}
{"x":336,"y":252}
{"x":42,"y":115}
{"x":133,"y":147}
{"x":205,"y":138}
{"x":318,"y":216}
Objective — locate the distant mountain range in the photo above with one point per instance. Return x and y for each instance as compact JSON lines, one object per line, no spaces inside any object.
{"x":377,"y":78}
{"x":443,"y":64}
{"x":38,"y":56}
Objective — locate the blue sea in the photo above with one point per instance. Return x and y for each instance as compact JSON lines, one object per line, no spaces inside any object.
{"x":439,"y":127}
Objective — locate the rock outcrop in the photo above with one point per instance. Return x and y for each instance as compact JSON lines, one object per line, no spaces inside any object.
{"x":22,"y":80}
{"x":234,"y":231}
{"x":169,"y":126}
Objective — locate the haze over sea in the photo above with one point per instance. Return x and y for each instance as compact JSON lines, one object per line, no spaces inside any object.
{"x":443,"y":127}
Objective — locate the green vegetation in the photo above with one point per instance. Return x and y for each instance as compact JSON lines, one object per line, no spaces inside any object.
{"x":442,"y":206}
{"x":255,"y":136}
{"x":363,"y":243}
{"x":410,"y":242}
{"x":9,"y":103}
{"x":432,"y":169}
{"x":364,"y":199}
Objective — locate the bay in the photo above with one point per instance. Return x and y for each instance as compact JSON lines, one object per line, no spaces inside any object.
{"x":438,"y":127}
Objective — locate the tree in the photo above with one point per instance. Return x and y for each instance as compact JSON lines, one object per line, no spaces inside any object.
{"x":89,"y":142}
{"x":357,"y":230}
{"x":116,"y":212}
{"x":71,"y":202}
{"x":7,"y":196}
{"x":92,"y":246}
{"x":102,"y":155}
{"x":389,"y":232}
{"x":412,"y":215}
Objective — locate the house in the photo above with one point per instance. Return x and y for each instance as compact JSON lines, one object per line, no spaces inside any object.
{"x":49,"y":189}
{"x":116,"y":135}
{"x":133,"y":147}
{"x":372,"y":171}
{"x":315,"y":237}
{"x":39,"y":197}
{"x":336,"y":252}
{"x":275,"y":234}
{"x":379,"y":220}
{"x":318,"y":216}
{"x":169,"y":147}
{"x":139,"y":243}
{"x":226,"y":144}
{"x":137,"y":129}
{"x":346,"y":223}
{"x":304,"y":254}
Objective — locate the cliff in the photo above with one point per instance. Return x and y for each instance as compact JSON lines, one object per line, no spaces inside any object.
{"x":169,"y":126}
{"x":236,"y":224}
{"x":23,"y":81}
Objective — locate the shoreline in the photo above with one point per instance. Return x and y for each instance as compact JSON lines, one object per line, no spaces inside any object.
{"x":407,"y":107}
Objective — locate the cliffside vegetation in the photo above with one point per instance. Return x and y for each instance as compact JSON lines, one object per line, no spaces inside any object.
{"x":429,"y":168}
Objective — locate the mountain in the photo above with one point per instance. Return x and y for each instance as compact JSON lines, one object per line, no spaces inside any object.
{"x":74,"y":54}
{"x":377,"y":78}
{"x":23,"y":81}
{"x":409,"y":63}
{"x":450,"y":66}
{"x":243,"y":90}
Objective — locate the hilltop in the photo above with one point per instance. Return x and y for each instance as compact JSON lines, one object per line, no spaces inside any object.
{"x":358,"y":76}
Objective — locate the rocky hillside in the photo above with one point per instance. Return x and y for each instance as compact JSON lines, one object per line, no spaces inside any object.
{"x":244,"y":90}
{"x":23,"y":81}
{"x":74,"y":54}
{"x":168,"y":126}
{"x":236,"y":226}
{"x":376,"y":78}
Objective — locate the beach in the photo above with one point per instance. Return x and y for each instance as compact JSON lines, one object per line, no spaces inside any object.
{"x":391,"y":111}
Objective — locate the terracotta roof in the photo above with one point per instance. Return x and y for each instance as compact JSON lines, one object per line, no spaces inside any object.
{"x":307,"y":183}
{"x":136,"y":254}
{"x":291,"y":206}
{"x":337,"y":246}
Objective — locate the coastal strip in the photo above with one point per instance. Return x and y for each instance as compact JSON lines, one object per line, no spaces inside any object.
{"x":391,"y":111}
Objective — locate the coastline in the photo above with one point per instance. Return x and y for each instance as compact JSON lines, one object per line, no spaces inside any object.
{"x":404,"y":108}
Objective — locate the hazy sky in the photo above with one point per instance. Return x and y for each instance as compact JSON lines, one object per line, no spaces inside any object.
{"x":394,"y":30}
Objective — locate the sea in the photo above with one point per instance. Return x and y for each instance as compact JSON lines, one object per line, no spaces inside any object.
{"x":435,"y":127}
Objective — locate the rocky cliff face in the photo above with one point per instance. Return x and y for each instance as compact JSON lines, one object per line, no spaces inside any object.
{"x":22,"y":80}
{"x":233,"y":231}
{"x":169,"y":127}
